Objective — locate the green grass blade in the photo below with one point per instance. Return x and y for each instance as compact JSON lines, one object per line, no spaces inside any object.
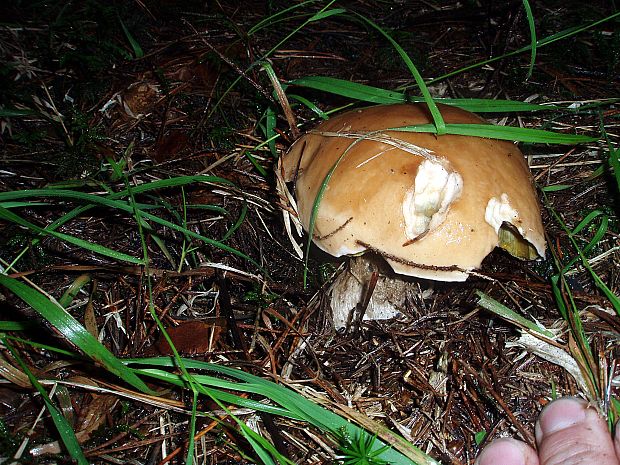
{"x":238,"y":223}
{"x":282,"y":15}
{"x":218,"y":394}
{"x":46,"y":347}
{"x":73,"y":331}
{"x":613,"y":159}
{"x":211,"y":208}
{"x":540,"y":43}
{"x":350,"y":89}
{"x":257,"y":165}
{"x":176,"y":181}
{"x":304,"y":101}
{"x":556,"y":187}
{"x":135,"y":46}
{"x":253,"y":439}
{"x":372,"y":94}
{"x":437,"y":118}
{"x":116,"y":204}
{"x":17,"y":325}
{"x":8,"y":205}
{"x":503,"y":132}
{"x":96,"y":248}
{"x":532,"y":25}
{"x":204,"y":239}
{"x":586,"y":221}
{"x":326,"y":14}
{"x":614,"y":414}
{"x":614,"y":300}
{"x":600,"y":232}
{"x":295,"y":404}
{"x":270,"y":130}
{"x":89,"y":198}
{"x":65,"y":430}
{"x":507,"y":314}
{"x":583,"y":352}
{"x":598,"y":235}
{"x":73,"y":290}
{"x":557,"y":294}
{"x":609,"y":294}
{"x":15,"y":112}
{"x":189,"y":458}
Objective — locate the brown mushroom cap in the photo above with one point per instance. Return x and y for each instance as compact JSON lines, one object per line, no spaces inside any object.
{"x":432,"y":206}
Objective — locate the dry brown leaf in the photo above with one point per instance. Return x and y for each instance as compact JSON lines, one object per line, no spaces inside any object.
{"x":192,"y":337}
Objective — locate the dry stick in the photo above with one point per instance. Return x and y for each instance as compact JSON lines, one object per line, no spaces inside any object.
{"x":137,"y":270}
{"x":517,"y":424}
{"x":202,"y":432}
{"x":555,"y":163}
{"x":227,"y":311}
{"x":447,"y":412}
{"x":326,"y":385}
{"x":232,"y":64}
{"x":297,"y":334}
{"x":238,"y":343}
{"x":165,"y":310}
{"x":283,"y":99}
{"x":493,"y":77}
{"x":120,"y":436}
{"x":611,"y":320}
{"x":286,"y":107}
{"x":581,"y":296}
{"x":363,"y":306}
{"x":144,"y":442}
{"x":491,"y":433}
{"x":284,"y":334}
{"x":178,"y":450}
{"x":472,"y":402}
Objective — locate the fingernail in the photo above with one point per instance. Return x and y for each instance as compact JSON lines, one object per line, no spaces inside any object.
{"x":560,"y":414}
{"x":506,"y":451}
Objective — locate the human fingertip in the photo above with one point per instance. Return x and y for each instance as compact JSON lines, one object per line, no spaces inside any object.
{"x":506,"y":451}
{"x":569,"y":431}
{"x":560,"y":414}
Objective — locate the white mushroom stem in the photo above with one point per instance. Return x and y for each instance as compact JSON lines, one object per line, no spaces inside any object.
{"x":350,"y":287}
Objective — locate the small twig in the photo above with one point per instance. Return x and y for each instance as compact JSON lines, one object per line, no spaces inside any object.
{"x":555,"y":163}
{"x":283,"y":99}
{"x":498,"y":399}
{"x":232,"y":64}
{"x":361,"y":308}
{"x":197,"y":436}
{"x":227,"y":312}
{"x":239,"y":343}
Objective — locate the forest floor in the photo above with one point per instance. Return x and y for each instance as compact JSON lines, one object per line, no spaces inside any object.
{"x":96,"y":98}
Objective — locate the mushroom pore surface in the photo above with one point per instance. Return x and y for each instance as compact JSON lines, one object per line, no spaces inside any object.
{"x":432,"y":206}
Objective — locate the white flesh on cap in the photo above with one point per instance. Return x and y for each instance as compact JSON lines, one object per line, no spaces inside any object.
{"x":426,"y":205}
{"x":499,"y":211}
{"x":501,"y":216}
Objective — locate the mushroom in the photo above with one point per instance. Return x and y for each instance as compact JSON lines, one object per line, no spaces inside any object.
{"x":431,"y":206}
